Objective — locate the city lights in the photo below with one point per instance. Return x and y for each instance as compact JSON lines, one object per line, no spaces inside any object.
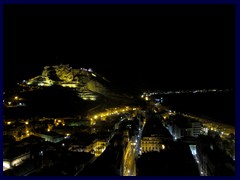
{"x":165,"y":108}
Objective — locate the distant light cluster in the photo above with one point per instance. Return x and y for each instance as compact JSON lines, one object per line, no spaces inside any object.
{"x":184,"y":92}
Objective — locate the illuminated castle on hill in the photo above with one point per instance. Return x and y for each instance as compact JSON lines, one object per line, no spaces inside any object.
{"x":88,"y":83}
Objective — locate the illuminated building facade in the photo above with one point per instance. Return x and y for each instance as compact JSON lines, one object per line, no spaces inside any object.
{"x":50,"y":136}
{"x":155,"y":137}
{"x":15,"y":161}
{"x":149,"y":144}
{"x":96,"y":147}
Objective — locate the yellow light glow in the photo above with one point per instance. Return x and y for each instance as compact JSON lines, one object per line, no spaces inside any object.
{"x":92,"y":98}
{"x":95,"y":117}
{"x":146,"y":98}
{"x":16,"y":97}
{"x":6,"y":164}
{"x":26,"y":122}
{"x":163,"y":147}
{"x":48,"y":130}
{"x":9,"y":122}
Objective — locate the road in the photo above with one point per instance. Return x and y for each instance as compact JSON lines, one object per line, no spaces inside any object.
{"x":129,"y":164}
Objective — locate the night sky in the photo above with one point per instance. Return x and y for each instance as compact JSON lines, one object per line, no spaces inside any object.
{"x":134,"y":46}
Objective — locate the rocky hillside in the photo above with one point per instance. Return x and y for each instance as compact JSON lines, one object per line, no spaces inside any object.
{"x":89,"y":84}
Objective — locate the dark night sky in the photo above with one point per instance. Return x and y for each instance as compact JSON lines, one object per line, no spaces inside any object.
{"x":138,"y":46}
